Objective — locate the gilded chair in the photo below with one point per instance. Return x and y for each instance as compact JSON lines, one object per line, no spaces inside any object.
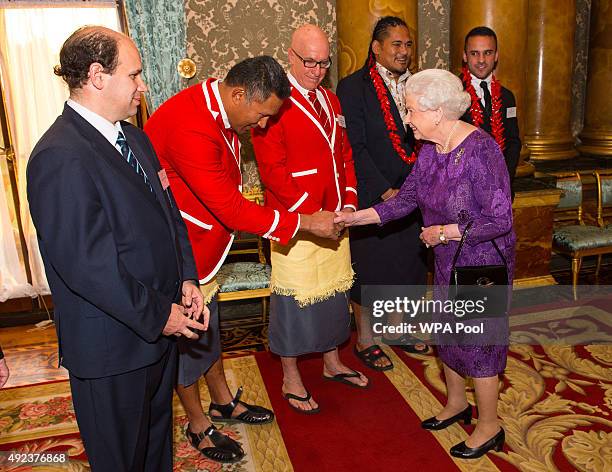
{"x":245,"y":280}
{"x":571,"y":237}
{"x":604,"y":203}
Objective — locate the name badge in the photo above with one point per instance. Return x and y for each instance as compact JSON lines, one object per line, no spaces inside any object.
{"x":341,"y":121}
{"x":163,"y":179}
{"x":511,"y":112}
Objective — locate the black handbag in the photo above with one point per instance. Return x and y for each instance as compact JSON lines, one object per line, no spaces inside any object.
{"x":486,"y":286}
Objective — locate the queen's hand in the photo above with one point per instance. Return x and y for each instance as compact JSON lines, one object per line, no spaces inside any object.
{"x":344,"y":218}
{"x":367,"y":216}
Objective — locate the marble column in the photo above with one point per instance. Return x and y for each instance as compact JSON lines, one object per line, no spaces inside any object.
{"x":508,"y":18}
{"x":356,"y":20}
{"x":551,"y":26}
{"x":596,"y":135}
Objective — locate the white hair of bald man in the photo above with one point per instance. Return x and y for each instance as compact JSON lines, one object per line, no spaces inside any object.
{"x":438,"y":88}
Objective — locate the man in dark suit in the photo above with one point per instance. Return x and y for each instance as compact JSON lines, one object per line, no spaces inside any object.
{"x":116,"y":255}
{"x":493,"y":107}
{"x":373,"y":103}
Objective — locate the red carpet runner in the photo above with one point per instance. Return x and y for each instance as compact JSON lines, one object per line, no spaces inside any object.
{"x":356,"y":430}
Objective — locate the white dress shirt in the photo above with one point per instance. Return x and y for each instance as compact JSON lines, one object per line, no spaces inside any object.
{"x":397,"y":88}
{"x":476,"y":84}
{"x":304,"y":92}
{"x":107,"y":129}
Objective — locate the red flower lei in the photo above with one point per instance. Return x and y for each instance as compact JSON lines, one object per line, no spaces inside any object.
{"x":497,"y":125}
{"x":385,"y":106}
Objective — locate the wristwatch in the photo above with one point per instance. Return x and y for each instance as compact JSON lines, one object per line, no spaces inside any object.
{"x":443,"y":238}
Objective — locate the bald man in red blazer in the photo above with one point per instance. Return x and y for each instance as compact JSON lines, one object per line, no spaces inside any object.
{"x":306,"y":165}
{"x":307,"y":169}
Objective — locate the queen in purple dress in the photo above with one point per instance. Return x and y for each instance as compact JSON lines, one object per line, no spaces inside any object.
{"x":460,"y":177}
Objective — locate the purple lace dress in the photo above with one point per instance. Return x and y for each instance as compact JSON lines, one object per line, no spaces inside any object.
{"x":468,"y":184}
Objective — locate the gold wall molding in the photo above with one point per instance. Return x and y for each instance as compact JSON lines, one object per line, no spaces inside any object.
{"x":508,"y":18}
{"x":356,"y":20}
{"x":596,"y":136}
{"x":550,"y":53}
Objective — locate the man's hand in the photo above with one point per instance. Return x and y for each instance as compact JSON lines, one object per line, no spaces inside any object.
{"x":390,"y":193}
{"x":321,"y":224}
{"x":193,"y":303}
{"x":4,"y":372}
{"x":192,"y":300}
{"x":180,"y":325}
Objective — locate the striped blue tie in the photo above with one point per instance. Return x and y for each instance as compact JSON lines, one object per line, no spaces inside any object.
{"x":131,"y":159}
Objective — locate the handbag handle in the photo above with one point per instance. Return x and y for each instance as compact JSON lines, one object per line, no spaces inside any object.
{"x":463,"y":236}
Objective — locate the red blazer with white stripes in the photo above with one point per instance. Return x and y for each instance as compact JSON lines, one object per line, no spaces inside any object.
{"x":203,"y":169}
{"x":302,"y":169}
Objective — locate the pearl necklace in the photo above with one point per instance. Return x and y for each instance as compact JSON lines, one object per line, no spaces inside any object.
{"x":444,"y":150}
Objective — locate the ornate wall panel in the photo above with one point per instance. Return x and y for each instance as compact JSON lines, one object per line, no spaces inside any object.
{"x":581,"y":56}
{"x":434,"y":34}
{"x":221,"y":33}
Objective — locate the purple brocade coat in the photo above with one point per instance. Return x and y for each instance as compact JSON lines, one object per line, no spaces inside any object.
{"x":470,"y":183}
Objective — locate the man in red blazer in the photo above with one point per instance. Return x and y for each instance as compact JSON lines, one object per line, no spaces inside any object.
{"x":306,"y":165}
{"x":195,"y":134}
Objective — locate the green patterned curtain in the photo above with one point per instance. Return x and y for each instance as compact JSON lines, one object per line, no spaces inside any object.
{"x":158,"y":29}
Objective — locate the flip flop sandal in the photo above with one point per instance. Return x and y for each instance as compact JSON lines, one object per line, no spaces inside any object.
{"x":224,"y":450}
{"x":407,"y":343}
{"x":370,"y":355}
{"x":343,"y":378}
{"x":291,"y":396}
{"x":253,"y":415}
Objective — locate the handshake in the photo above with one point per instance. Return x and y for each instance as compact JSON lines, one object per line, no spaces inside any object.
{"x":322,"y":224}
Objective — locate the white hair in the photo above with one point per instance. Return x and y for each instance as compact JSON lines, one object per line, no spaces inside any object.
{"x":438,"y":88}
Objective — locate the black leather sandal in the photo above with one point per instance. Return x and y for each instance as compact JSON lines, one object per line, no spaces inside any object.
{"x":408,"y":343}
{"x":253,"y":415}
{"x":370,"y":355}
{"x":224,"y":449}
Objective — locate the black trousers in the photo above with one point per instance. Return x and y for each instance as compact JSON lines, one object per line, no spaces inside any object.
{"x":126,"y":420}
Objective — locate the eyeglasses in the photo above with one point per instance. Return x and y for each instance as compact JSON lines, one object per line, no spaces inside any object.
{"x":311,"y":64}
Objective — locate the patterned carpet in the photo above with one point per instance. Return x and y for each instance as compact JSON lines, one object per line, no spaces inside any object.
{"x":555,"y":405}
{"x":40,"y":418}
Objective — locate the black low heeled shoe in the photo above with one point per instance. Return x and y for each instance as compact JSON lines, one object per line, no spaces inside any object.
{"x":435,"y":424}
{"x":464,"y":452}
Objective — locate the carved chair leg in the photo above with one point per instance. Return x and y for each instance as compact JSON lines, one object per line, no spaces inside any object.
{"x":264,"y":307}
{"x":576,"y":263}
{"x":599,"y":257}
